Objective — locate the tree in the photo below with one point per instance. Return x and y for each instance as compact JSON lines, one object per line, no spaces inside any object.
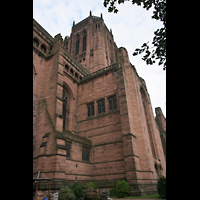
{"x":77,"y":189}
{"x":158,"y":50}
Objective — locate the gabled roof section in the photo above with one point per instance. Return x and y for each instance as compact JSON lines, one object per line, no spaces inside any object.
{"x":48,"y":37}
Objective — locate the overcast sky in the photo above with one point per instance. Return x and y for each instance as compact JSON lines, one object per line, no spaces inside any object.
{"x":131,"y":27}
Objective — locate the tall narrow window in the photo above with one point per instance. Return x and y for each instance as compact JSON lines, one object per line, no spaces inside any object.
{"x":101,"y":106}
{"x":84,"y":40}
{"x":77,"y":44}
{"x":90,"y":109}
{"x":112,"y":102}
{"x":85,"y":154}
{"x":68,"y":147}
{"x":64,"y":108}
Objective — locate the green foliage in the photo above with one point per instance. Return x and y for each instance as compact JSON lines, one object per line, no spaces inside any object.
{"x":161,"y":186}
{"x":66,"y":193}
{"x":159,"y":40}
{"x":96,"y":183}
{"x":90,"y":184}
{"x":77,"y":189}
{"x":122,"y":188}
{"x":113,"y":192}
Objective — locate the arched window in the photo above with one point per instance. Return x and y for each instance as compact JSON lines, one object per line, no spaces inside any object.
{"x":77,"y":44}
{"x":84,"y":40}
{"x":71,"y":72}
{"x":43,"y":48}
{"x":65,"y":108}
{"x":36,"y":42}
{"x":76,"y":75}
{"x":67,"y":99}
{"x":66,"y":67}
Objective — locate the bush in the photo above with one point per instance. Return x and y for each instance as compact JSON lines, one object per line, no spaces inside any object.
{"x":161,"y":186}
{"x":113,"y":192}
{"x":122,"y":188}
{"x":66,"y":194}
{"x":90,"y":184}
{"x":77,"y":189}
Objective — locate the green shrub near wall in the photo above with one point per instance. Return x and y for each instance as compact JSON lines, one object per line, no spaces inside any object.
{"x":90,"y":184}
{"x":77,"y":189}
{"x":161,"y":186}
{"x":66,"y":193}
{"x":122,"y":188}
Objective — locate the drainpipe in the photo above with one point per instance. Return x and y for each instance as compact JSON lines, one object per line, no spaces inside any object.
{"x":93,"y":158}
{"x":38,"y":176}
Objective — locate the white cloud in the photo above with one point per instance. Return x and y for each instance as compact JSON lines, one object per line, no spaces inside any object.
{"x":131,"y":27}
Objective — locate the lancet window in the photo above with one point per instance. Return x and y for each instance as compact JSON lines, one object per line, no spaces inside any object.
{"x":77,"y":44}
{"x":65,"y":108}
{"x":84,"y":40}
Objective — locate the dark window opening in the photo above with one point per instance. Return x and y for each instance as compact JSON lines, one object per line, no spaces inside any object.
{"x":66,"y":67}
{"x":36,"y":42}
{"x":85,"y":154}
{"x":68,"y":147}
{"x":90,"y":109}
{"x":64,"y":108}
{"x":91,"y":52}
{"x":43,"y":48}
{"x":112,"y":103}
{"x":71,"y":72}
{"x":77,"y":45}
{"x":101,"y":106}
{"x":84,"y":41}
{"x":76,"y":75}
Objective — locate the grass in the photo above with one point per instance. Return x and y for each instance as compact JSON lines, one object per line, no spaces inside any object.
{"x":157,"y":196}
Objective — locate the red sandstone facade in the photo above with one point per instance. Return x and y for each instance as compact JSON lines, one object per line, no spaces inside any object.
{"x":92,"y":114}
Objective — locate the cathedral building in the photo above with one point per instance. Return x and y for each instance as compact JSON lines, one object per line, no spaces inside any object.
{"x":92,"y":114}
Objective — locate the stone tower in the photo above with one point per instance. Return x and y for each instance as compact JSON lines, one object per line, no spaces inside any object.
{"x":91,"y":43}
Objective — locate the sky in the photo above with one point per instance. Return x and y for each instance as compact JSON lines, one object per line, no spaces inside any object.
{"x":131,"y":27}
